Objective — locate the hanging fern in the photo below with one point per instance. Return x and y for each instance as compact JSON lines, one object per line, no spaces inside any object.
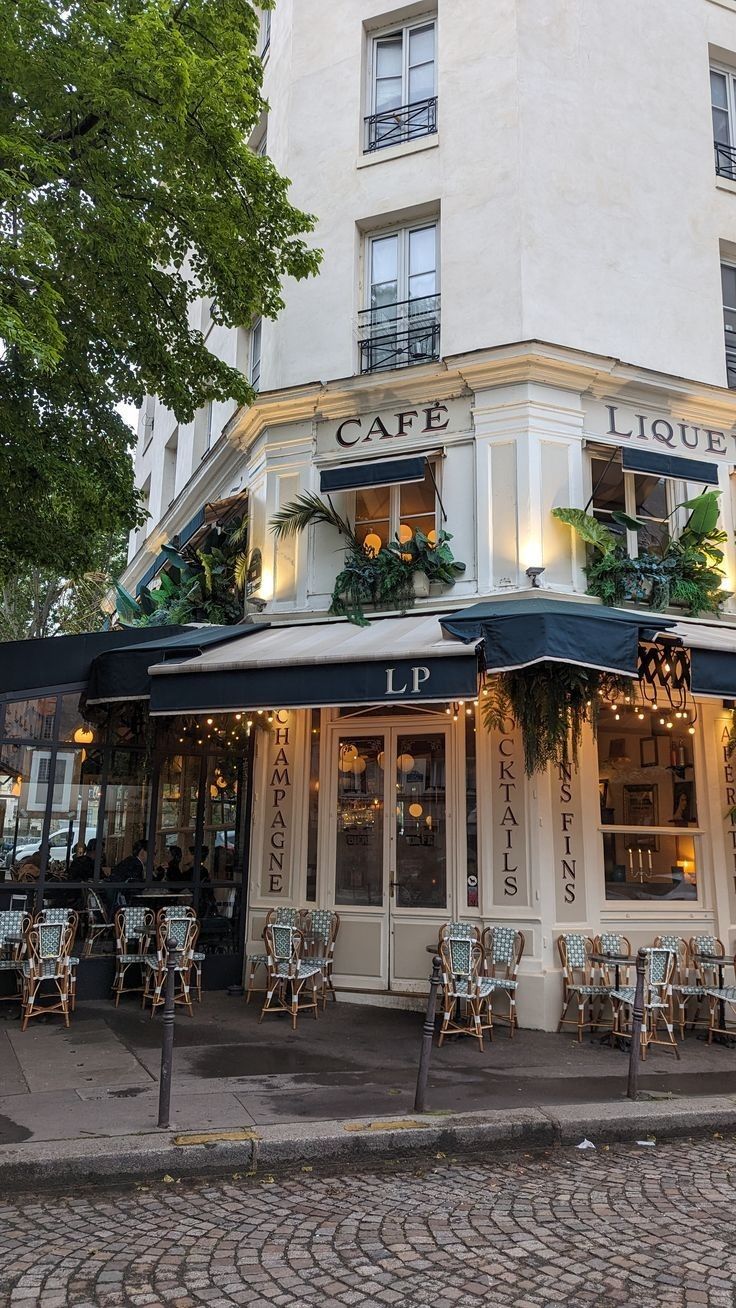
{"x":550,"y":703}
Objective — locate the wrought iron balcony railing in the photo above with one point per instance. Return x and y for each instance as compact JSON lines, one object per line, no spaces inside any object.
{"x":730,"y":361}
{"x":725,"y":160}
{"x":394,"y":126}
{"x":399,"y":335}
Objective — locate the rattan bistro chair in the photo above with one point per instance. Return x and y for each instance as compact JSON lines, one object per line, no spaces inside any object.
{"x":182,"y":913}
{"x":133,"y":926}
{"x":324,"y":924}
{"x":466,"y":993}
{"x":184,"y":931}
{"x":578,"y":984}
{"x":660,"y":967}
{"x":288,"y":972}
{"x":98,"y":922}
{"x":292,"y":917}
{"x":63,"y":917}
{"x":48,"y":962}
{"x":503,"y":947}
{"x":14,"y":923}
{"x":683,"y":988}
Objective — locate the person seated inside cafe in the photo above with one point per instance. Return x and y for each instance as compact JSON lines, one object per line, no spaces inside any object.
{"x":82,"y":866}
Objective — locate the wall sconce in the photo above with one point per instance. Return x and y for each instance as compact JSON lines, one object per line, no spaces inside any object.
{"x":534,"y":574}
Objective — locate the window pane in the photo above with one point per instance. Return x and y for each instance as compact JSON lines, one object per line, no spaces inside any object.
{"x":608,"y":494}
{"x":373,"y":503}
{"x":360,"y":785}
{"x":718,"y":90}
{"x":30,"y":719}
{"x":388,"y":56}
{"x":220,"y":820}
{"x":422,"y":250}
{"x":21,"y":816}
{"x":720,"y":127}
{"x":421,"y":826}
{"x":384,"y":260}
{"x":71,"y":720}
{"x":650,"y":496}
{"x":388,"y":95}
{"x":126,"y":815}
{"x":421,"y":45}
{"x":177,"y":815}
{"x":421,"y":83}
{"x":417,"y":497}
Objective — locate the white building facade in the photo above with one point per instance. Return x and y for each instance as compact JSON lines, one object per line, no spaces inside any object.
{"x":529,"y":270}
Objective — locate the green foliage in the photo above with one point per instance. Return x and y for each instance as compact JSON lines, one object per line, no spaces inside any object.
{"x":550,"y":703}
{"x":127,"y":190}
{"x":35,"y":602}
{"x":588,"y":528}
{"x":687,"y":573}
{"x":383,"y":580}
{"x":200,"y":585}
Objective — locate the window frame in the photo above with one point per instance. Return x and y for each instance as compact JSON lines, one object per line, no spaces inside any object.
{"x":265,"y":33}
{"x":729,"y":75}
{"x":404,"y":30}
{"x":729,"y":334}
{"x":403,"y":232}
{"x":434,"y":463}
{"x":255,"y":355}
{"x":675,"y":491}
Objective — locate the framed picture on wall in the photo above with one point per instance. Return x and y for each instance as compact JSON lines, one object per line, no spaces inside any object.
{"x":641,"y":806}
{"x":648,"y":752}
{"x":684,"y":812}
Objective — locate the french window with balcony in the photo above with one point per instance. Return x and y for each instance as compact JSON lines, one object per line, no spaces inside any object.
{"x":728,"y":282}
{"x":723,"y":110}
{"x":403,"y":86}
{"x":401,"y":325}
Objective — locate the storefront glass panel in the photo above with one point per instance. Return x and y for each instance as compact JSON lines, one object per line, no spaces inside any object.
{"x":648,"y":804}
{"x":360,"y":829}
{"x":421,"y":826}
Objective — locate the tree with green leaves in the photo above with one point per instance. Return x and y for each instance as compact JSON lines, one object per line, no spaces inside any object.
{"x":127,"y":191}
{"x":37,"y":602}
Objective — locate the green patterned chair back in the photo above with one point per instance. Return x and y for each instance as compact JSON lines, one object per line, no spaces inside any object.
{"x":574,"y":949}
{"x":58,"y":915}
{"x":504,"y":946}
{"x":461,"y":955}
{"x":177,"y":928}
{"x":13,"y":922}
{"x":131,"y":923}
{"x":660,"y":967}
{"x":678,"y":947}
{"x":284,"y":944}
{"x":183,"y":931}
{"x":612,"y":942}
{"x":323,"y":922}
{"x":284,"y":917}
{"x":50,"y":941}
{"x":707,"y":945}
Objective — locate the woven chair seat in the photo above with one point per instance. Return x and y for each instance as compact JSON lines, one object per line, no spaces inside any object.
{"x":9,"y":964}
{"x":305,"y":969}
{"x":255,"y":958}
{"x":48,"y":968}
{"x":131,"y":958}
{"x":502,"y":983}
{"x":728,"y":993}
{"x":689,"y":990}
{"x":198,"y":956}
{"x":74,"y":962}
{"x":482,"y":987}
{"x":590,"y":990}
{"x":628,"y":993}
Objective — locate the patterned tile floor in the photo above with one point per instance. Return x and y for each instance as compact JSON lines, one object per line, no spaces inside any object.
{"x":629,"y":1226}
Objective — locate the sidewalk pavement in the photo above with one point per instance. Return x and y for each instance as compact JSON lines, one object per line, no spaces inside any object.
{"x":83,"y":1101}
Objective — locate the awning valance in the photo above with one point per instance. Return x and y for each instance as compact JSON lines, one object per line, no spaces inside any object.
{"x":53,"y":662}
{"x":328,"y":664}
{"x":519,"y":633}
{"x":712,"y":649}
{"x":669,"y":465}
{"x":382,"y":472}
{"x":122,"y":673}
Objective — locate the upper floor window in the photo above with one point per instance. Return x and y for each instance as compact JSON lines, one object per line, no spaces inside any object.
{"x":255,"y":355}
{"x":644,"y":496}
{"x":728,"y":282}
{"x":265,"y":32}
{"x":383,"y":510}
{"x":401,"y":324}
{"x":403,"y":86}
{"x":723,"y":109}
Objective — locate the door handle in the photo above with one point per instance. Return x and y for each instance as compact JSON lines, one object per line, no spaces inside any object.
{"x":392,"y":885}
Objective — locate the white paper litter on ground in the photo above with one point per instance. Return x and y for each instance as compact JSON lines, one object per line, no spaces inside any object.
{"x":648,"y":1144}
{"x":585,"y":1144}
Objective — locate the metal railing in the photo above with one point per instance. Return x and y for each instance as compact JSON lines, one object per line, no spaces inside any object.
{"x":730,"y":362}
{"x":725,"y":160}
{"x":399,"y":335}
{"x":405,"y":123}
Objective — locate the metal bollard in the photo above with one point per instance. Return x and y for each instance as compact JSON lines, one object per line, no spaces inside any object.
{"x":637,"y":1018}
{"x":427,"y":1036}
{"x":167,"y":1039}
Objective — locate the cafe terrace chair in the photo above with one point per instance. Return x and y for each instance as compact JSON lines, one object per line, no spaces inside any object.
{"x":288,"y":972}
{"x":68,"y":917}
{"x":707,"y":976}
{"x":578,"y":985}
{"x":14,"y":924}
{"x":659,"y":970}
{"x":48,"y":962}
{"x":324,"y":925}
{"x":682,"y":987}
{"x":133,"y":926}
{"x":503,"y":947}
{"x":182,"y":913}
{"x":98,"y":921}
{"x":466,"y":992}
{"x":280,"y":917}
{"x":184,"y":932}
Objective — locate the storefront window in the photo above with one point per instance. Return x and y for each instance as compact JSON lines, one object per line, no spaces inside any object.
{"x":177,"y":816}
{"x":421,"y":825}
{"x":648,"y":804}
{"x":30,"y":719}
{"x":360,"y":785}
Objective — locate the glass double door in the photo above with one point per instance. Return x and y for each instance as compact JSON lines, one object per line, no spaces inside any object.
{"x":391,"y":838}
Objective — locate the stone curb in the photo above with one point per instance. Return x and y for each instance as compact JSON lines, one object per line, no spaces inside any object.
{"x":155,"y":1155}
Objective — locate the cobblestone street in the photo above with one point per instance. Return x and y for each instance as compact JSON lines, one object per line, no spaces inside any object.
{"x":626,"y":1226}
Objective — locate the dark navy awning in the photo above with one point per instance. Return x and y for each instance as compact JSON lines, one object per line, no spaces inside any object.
{"x":519,"y":633}
{"x":401,"y":661}
{"x":712,"y":649}
{"x":669,"y":465}
{"x":382,"y":472}
{"x":55,"y":662}
{"x":122,"y":674}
